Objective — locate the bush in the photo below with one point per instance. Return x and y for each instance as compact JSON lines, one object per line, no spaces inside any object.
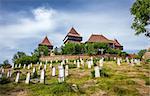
{"x":71,"y":66}
{"x":4,"y":80}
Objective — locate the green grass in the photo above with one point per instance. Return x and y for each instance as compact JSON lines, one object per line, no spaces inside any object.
{"x":114,"y":81}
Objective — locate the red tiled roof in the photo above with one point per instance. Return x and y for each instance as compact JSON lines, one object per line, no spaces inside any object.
{"x":99,"y":38}
{"x":73,"y":32}
{"x":46,"y":42}
{"x":116,"y":42}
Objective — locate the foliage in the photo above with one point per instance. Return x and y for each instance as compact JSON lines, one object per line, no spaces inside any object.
{"x":142,"y":52}
{"x":4,"y":80}
{"x":41,"y":50}
{"x":6,"y":64}
{"x":141,"y":11}
{"x":18,"y":55}
{"x":27,"y":60}
{"x":88,"y":48}
{"x":56,"y":51}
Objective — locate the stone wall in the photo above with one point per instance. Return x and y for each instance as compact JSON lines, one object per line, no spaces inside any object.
{"x":72,"y":57}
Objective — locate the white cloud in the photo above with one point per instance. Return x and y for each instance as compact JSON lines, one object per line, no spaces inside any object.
{"x":56,"y":24}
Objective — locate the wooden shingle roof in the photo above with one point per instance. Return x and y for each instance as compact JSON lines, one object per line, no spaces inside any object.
{"x":46,"y":42}
{"x":99,"y":38}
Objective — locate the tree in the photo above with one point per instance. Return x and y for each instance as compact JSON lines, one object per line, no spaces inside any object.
{"x":141,"y":11}
{"x":142,"y":52}
{"x":41,"y":50}
{"x":18,"y":55}
{"x":6,"y":64}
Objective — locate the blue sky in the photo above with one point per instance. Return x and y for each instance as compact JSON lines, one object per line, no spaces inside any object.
{"x":24,"y":23}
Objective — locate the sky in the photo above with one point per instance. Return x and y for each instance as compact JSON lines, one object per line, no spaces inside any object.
{"x":25,"y":23}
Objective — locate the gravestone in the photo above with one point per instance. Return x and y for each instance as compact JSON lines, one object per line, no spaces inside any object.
{"x":16,"y":65}
{"x":27,"y":78}
{"x":29,"y":66}
{"x":44,"y":66}
{"x":53,"y":71}
{"x":24,"y":66}
{"x":78,"y":64}
{"x":42,"y":77}
{"x":17,"y":77}
{"x":34,"y":69}
{"x":66,"y":70}
{"x":46,"y":62}
{"x":118,"y":61}
{"x":19,"y":65}
{"x":50,"y":66}
{"x":61,"y":74}
{"x":8,"y":73}
{"x":101,"y":62}
{"x":97,"y":71}
{"x":132,"y":62}
{"x":74,"y":62}
{"x":89,"y":64}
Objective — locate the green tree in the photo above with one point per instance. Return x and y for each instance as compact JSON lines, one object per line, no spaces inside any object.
{"x":18,"y":55}
{"x":41,"y":50}
{"x":141,"y":52}
{"x":141,"y":12}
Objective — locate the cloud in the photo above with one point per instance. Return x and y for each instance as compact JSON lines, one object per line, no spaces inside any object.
{"x":28,"y":28}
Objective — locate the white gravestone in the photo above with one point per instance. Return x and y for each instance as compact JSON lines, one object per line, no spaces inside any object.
{"x":46,"y":62}
{"x":118,"y":61}
{"x":44,"y":66}
{"x":78,"y":64}
{"x":8,"y":73}
{"x":29,"y":66}
{"x":53,"y":71}
{"x":101,"y":63}
{"x":24,"y":66}
{"x":66,"y":70}
{"x":42,"y":78}
{"x":61,"y":74}
{"x":97,"y":71}
{"x":34,"y":69}
{"x":17,"y":77}
{"x":27,"y":78}
{"x":89,"y":64}
{"x":19,"y":65}
{"x":74,"y":62}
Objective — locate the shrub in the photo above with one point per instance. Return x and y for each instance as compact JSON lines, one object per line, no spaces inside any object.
{"x":4,"y":80}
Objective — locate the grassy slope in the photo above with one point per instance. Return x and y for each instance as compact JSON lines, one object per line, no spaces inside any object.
{"x":123,"y":80}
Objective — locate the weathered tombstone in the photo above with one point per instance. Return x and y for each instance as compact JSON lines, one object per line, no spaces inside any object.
{"x":74,"y":62}
{"x":19,"y":65}
{"x":27,"y":78}
{"x":138,"y":62}
{"x":132,"y":62}
{"x":78,"y":64}
{"x":29,"y":66}
{"x":66,"y":70}
{"x":115,"y":58}
{"x":61,"y":74}
{"x":3,"y":70}
{"x":16,"y":65}
{"x":101,"y":62}
{"x":82,"y":62}
{"x":8,"y":74}
{"x":50,"y":66}
{"x":46,"y":62}
{"x":118,"y":61}
{"x":44,"y":66}
{"x":1,"y":75}
{"x":34,"y":69}
{"x":24,"y":66}
{"x":127,"y":60}
{"x":53,"y":71}
{"x":42,"y":78}
{"x":97,"y":71}
{"x":12,"y":65}
{"x":89,"y":64}
{"x":17,"y":77}
{"x":92,"y":61}
{"x":67,"y":61}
